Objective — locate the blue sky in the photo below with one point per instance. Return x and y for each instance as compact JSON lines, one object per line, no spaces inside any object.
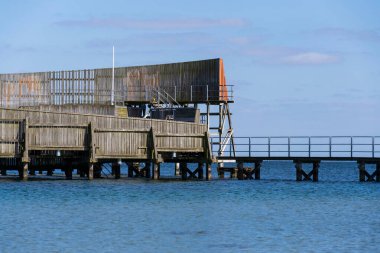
{"x":299,"y":67}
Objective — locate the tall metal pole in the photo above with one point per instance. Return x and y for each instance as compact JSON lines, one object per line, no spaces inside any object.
{"x":113,"y":77}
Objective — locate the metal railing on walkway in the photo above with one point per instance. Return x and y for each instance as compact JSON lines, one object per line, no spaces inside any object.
{"x":302,"y":146}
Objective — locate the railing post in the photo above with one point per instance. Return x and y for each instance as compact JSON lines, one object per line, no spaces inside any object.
{"x":351,"y":146}
{"x":309,"y":147}
{"x":288,"y":146}
{"x":268,"y":146}
{"x":330,"y":146}
{"x":191,"y":93}
{"x":249,"y":147}
{"x":373,"y":147}
{"x":175,"y":93}
{"x":207,"y":93}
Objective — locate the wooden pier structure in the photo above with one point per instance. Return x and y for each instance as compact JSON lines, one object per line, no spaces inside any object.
{"x":143,"y":116}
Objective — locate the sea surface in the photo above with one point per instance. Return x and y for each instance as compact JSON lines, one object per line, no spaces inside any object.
{"x":274,"y":214}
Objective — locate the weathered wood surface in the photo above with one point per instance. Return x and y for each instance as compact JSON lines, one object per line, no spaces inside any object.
{"x":197,"y":81}
{"x":113,"y":137}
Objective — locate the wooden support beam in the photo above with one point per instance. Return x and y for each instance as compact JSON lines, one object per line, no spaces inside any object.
{"x":130,"y":169}
{"x":316,"y":171}
{"x":361,"y":166}
{"x":184,"y":169}
{"x":257,"y":170}
{"x":23,"y":171}
{"x":116,"y":169}
{"x":90,"y":174}
{"x":208,"y":172}
{"x":298,"y":171}
{"x":147,"y":169}
{"x":156,"y":171}
{"x":68,"y":170}
{"x":177,"y":171}
{"x":200,"y":170}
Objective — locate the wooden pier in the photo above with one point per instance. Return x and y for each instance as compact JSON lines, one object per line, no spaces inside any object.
{"x":143,"y":116}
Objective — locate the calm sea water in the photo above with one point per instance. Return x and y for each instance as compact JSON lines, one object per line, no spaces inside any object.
{"x":275,"y":214}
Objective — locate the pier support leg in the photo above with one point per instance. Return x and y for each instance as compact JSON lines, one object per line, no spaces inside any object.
{"x":177,"y":171}
{"x":116,"y":169}
{"x":257,"y":170}
{"x":183,"y":168}
{"x":208,"y":171}
{"x":315,"y":171}
{"x":361,"y":166}
{"x":130,"y":169}
{"x":69,"y":171}
{"x":90,"y":174}
{"x":221,"y":172}
{"x":156,"y":171}
{"x":378,"y":172}
{"x":23,"y":171}
{"x":240,"y":171}
{"x":49,"y":172}
{"x":200,"y":170}
{"x":298,"y":171}
{"x":3,"y":172}
{"x":147,"y":169}
{"x":32,"y":172}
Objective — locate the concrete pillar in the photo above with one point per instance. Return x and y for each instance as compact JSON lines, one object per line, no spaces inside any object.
{"x":23,"y":171}
{"x":156,"y":171}
{"x":208,"y":171}
{"x":183,"y":168}
{"x":90,"y":171}
{"x":116,"y":169}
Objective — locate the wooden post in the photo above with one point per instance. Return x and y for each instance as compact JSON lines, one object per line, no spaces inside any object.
{"x":32,"y":172}
{"x":200,"y":170}
{"x":156,"y":171}
{"x":298,"y":171}
{"x":177,"y":171}
{"x":208,"y":172}
{"x":240,"y":167}
{"x":315,"y":171}
{"x":69,"y":170}
{"x":147,"y":169}
{"x":3,"y":172}
{"x":90,"y":174}
{"x":183,"y":168}
{"x":257,"y":170}
{"x":130,"y":169}
{"x":25,"y":156}
{"x":116,"y":169}
{"x":49,"y":172}
{"x":220,"y":172}
{"x":23,"y":171}
{"x":361,"y":166}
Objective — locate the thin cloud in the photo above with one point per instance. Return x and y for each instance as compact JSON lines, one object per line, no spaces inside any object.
{"x":308,"y":58}
{"x":348,"y":34}
{"x":121,"y":23}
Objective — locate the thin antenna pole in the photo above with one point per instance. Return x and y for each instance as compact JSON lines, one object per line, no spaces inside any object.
{"x":113,"y":77}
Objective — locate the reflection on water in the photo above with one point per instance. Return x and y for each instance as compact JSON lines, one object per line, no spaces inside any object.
{"x":274,"y":214}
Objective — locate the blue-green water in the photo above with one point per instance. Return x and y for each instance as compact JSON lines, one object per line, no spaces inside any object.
{"x":275,"y":214}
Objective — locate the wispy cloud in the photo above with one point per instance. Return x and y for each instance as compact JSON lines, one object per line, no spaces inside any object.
{"x":310,"y":58}
{"x":349,"y":34}
{"x":290,"y":56}
{"x":122,"y":23}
